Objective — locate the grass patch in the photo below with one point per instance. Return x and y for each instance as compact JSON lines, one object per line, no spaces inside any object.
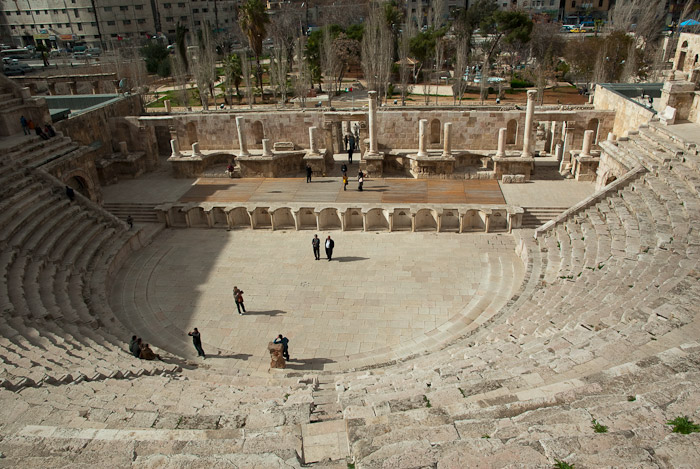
{"x":683,"y":425}
{"x":598,"y":428}
{"x":427,"y":401}
{"x":562,"y":465}
{"x":631,"y":398}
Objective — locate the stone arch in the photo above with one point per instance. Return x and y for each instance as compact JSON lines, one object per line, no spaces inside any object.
{"x":474,"y":220}
{"x":426,"y":220}
{"x":498,"y":221}
{"x":684,"y":45}
{"x":511,"y":131}
{"x":401,"y":220}
{"x":191,"y":128}
{"x":80,"y":184}
{"x":257,"y":132}
{"x":282,"y":219}
{"x":239,"y":218}
{"x":353,"y":219}
{"x":377,"y":219}
{"x":328,"y":219}
{"x":219,"y":218}
{"x":593,"y":125}
{"x":609,"y":179}
{"x":197,"y":218}
{"x":449,"y":220}
{"x":435,"y":131}
{"x":695,"y":60}
{"x":306,"y":219}
{"x":261,"y":218}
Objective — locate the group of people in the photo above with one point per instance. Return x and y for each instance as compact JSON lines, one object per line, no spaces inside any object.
{"x":28,"y":125}
{"x":142,"y":350}
{"x":329,"y":245}
{"x":360,"y":177}
{"x":197,"y":342}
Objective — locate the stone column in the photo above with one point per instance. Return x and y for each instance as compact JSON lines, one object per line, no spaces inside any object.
{"x":168,"y":106}
{"x":52,"y":88}
{"x":587,"y":141}
{"x":558,"y":151}
{"x":195,"y":149}
{"x":175,"y":149}
{"x":553,"y":142}
{"x":447,"y":140}
{"x":422,"y":137}
{"x":313,"y":145}
{"x":266,"y":147}
{"x":241,"y":137}
{"x":527,"y":136}
{"x":501,"y":142}
{"x":123,"y":148}
{"x":372,"y":98}
{"x":73,"y":87}
{"x":95,"y":87}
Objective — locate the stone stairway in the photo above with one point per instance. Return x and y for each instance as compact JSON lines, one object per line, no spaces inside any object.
{"x":140,"y":212}
{"x":536,"y":216}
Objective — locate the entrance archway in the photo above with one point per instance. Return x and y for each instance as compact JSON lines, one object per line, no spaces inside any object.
{"x":80,"y":185}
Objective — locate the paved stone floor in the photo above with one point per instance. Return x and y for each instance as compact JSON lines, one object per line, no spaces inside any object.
{"x":546,"y":193}
{"x":438,"y":191}
{"x":382,"y":295}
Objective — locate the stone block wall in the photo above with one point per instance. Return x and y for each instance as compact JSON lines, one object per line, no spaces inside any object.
{"x":687,"y":53}
{"x":628,"y":114}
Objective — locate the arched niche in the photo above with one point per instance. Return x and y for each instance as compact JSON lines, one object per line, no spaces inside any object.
{"x":329,"y":219}
{"x":435,"y":131}
{"x":307,"y":219}
{"x":219,"y":218}
{"x":191,"y":129}
{"x":449,"y":220}
{"x":177,"y":218}
{"x":593,"y":125}
{"x":257,"y":132}
{"x":377,"y":219}
{"x":197,"y":218}
{"x":353,"y":219}
{"x":239,"y":218}
{"x":261,"y":218}
{"x":401,"y":220}
{"x":474,"y":220}
{"x":426,"y":220}
{"x":282,"y":219}
{"x":498,"y":220}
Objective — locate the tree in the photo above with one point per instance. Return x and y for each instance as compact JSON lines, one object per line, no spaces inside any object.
{"x":253,"y":19}
{"x":404,"y":47}
{"x":377,"y":52}
{"x":302,"y":79}
{"x":181,"y":44}
{"x":546,"y":46}
{"x":232,"y":75}
{"x":329,"y":63}
{"x":157,"y":58}
{"x":247,"y":74}
{"x":204,"y":66}
{"x":278,"y":70}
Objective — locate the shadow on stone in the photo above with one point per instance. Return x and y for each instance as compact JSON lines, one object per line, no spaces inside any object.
{"x":272,"y":312}
{"x":308,"y":363}
{"x":350,"y":259}
{"x":236,"y":356}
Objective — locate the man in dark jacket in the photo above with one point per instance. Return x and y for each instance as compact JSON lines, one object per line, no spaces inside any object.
{"x":197,"y":341}
{"x":330,"y":244}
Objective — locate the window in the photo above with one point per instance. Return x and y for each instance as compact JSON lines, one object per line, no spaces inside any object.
{"x":126,"y":22}
{"x":171,"y":31}
{"x":108,"y":8}
{"x":63,"y":11}
{"x":181,"y":5}
{"x":90,"y":10}
{"x":80,"y":26}
{"x":138,"y":7}
{"x":183,"y":18}
{"x":600,"y":3}
{"x":167,"y":5}
{"x":46,"y":12}
{"x":169,"y":19}
{"x":76,"y":12}
{"x":573,"y":4}
{"x":41,"y":26}
{"x":12,"y":27}
{"x":141,"y":21}
{"x":195,"y":10}
{"x":123,"y":8}
{"x":110,"y":23}
{"x":96,"y":36}
{"x":93,"y":23}
{"x":197,"y":23}
{"x":204,"y":10}
{"x":113,"y":35}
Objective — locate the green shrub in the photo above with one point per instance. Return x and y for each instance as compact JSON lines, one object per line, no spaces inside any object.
{"x":562,"y":465}
{"x":520,"y":83}
{"x":683,"y":425}
{"x":598,"y":428}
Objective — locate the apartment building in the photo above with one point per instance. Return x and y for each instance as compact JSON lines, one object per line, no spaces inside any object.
{"x":102,"y":23}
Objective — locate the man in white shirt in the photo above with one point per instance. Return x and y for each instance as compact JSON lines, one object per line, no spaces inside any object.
{"x":329,"y":248}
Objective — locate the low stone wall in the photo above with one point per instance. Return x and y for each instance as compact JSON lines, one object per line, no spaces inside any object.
{"x":344,"y":217}
{"x":629,"y":115}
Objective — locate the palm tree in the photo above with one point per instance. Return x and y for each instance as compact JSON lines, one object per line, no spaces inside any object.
{"x":233,"y":73}
{"x":252,"y":18}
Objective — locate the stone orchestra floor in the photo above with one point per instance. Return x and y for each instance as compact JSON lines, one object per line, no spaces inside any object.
{"x":383,"y":296}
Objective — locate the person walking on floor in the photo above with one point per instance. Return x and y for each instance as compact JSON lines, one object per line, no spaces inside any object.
{"x":197,"y":342}
{"x":308,"y":173}
{"x":238,"y":296}
{"x":360,"y":181}
{"x":344,"y":169}
{"x":345,"y":182}
{"x":351,"y":148}
{"x":285,"y":345}
{"x":25,"y":125}
{"x":316,"y":244}
{"x":130,"y":221}
{"x":330,"y":244}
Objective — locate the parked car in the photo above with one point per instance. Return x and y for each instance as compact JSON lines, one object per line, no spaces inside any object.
{"x":18,"y":68}
{"x":81,"y":55}
{"x":94,"y":51}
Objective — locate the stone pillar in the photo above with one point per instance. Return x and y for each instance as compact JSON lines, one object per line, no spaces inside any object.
{"x":558,"y":151}
{"x":554,"y":139}
{"x":175,"y":149}
{"x":447,"y":139}
{"x":527,"y":136}
{"x":123,"y":149}
{"x":567,"y":140}
{"x":52,"y":88}
{"x":195,"y":149}
{"x":590,"y":98}
{"x":95,"y":87}
{"x":313,"y":145}
{"x":266,"y":147}
{"x":587,"y":141}
{"x":168,"y":106}
{"x":422,"y":137}
{"x":241,"y":137}
{"x":372,"y":98}
{"x":73,"y":87}
{"x":501,"y":142}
